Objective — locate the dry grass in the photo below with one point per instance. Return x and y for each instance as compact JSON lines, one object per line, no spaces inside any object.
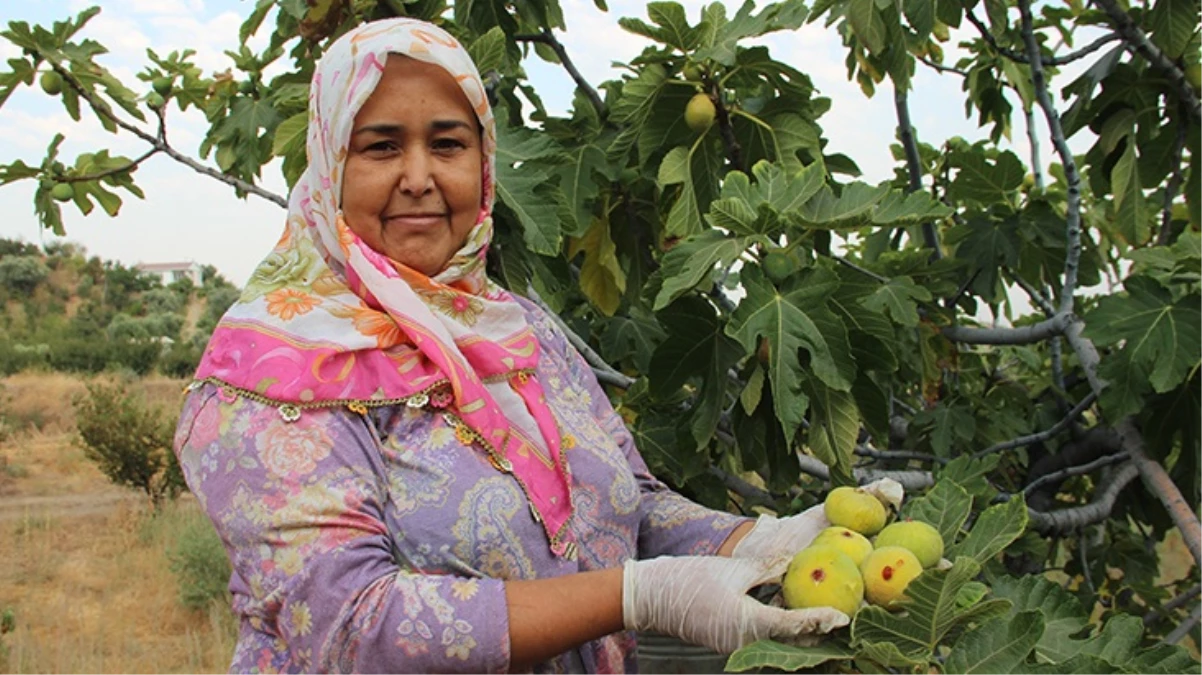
{"x":94,"y":592}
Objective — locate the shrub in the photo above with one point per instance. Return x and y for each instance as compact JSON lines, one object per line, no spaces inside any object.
{"x":22,"y":274}
{"x":129,"y":440}
{"x":162,"y":301}
{"x":181,"y":360}
{"x":200,"y":564}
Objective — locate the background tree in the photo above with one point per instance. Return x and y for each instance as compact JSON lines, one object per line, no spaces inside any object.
{"x":767,"y":324}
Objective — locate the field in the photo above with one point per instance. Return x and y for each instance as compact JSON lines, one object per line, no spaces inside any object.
{"x":85,"y":569}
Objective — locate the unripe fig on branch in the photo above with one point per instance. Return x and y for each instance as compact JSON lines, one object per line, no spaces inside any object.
{"x":52,"y":83}
{"x":699,"y":113}
{"x":62,"y":192}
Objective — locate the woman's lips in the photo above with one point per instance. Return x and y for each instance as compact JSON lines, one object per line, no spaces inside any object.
{"x":417,"y":220}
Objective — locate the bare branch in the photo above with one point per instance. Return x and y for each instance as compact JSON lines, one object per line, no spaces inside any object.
{"x":1069,"y":519}
{"x":1020,"y":57}
{"x":1184,"y":629}
{"x":905,"y":134}
{"x":605,"y":373}
{"x":1072,"y":218}
{"x":910,"y":480}
{"x":865,"y":451}
{"x":1033,"y":141}
{"x":1024,"y":335}
{"x":752,"y":495}
{"x":939,"y":67}
{"x":1158,"y":482}
{"x":548,"y":38}
{"x":1179,"y":601}
{"x":1035,"y":294}
{"x":1042,"y":435}
{"x":159,"y":142}
{"x":1062,"y":474}
{"x":1137,"y":42}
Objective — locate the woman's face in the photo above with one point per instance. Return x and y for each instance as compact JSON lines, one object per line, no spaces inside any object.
{"x":412,"y":184}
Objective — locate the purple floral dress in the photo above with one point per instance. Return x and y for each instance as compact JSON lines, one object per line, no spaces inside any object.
{"x":380,"y":542}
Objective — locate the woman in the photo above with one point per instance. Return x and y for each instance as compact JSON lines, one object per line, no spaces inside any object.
{"x":410,"y":468}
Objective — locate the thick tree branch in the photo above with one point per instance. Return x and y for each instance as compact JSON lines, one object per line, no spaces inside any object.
{"x":1023,"y":335}
{"x":905,"y":134}
{"x":548,"y":38}
{"x":892,"y":455}
{"x":1158,"y":482}
{"x":734,"y":151}
{"x":1035,"y":294}
{"x":910,"y":480}
{"x":1020,"y":57}
{"x":1072,"y":218}
{"x":1087,"y":354}
{"x":1042,"y":435}
{"x":1063,"y":521}
{"x":159,"y":143}
{"x":1137,"y":42}
{"x":1033,"y":142}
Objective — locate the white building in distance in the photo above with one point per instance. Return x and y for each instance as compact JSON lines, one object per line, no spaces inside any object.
{"x":172,"y":272}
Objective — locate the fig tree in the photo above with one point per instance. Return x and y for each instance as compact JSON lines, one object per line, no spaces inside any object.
{"x":699,"y":113}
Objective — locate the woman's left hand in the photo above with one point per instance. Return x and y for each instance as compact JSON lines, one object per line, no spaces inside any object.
{"x":772,"y":536}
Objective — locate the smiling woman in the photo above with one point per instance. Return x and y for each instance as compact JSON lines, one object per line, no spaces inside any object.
{"x":411,"y":468}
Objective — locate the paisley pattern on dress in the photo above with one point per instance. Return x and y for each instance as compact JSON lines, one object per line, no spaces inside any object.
{"x":483,"y":534}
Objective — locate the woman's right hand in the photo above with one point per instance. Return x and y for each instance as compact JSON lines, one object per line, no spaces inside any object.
{"x":703,"y":600}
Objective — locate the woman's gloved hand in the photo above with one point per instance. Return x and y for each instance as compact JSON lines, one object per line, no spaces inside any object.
{"x":772,"y":536}
{"x":703,"y":600}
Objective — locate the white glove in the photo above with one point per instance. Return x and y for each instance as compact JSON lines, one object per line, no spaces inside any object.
{"x":772,"y":536}
{"x":703,"y":600}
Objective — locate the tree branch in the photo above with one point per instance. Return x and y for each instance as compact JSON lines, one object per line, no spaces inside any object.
{"x":910,"y":480}
{"x":1179,"y":601}
{"x":548,"y":38}
{"x":1035,"y":294}
{"x":1087,"y":354}
{"x":1158,"y":482}
{"x":1137,"y":42}
{"x":102,"y":109}
{"x":889,"y":455}
{"x":1184,"y":629}
{"x":1062,"y":474}
{"x":905,"y":134}
{"x":752,"y":495}
{"x":113,"y":171}
{"x":1020,"y":57}
{"x":734,"y":151}
{"x":939,"y":67}
{"x":605,"y":373}
{"x":1072,"y":219}
{"x":1062,"y":521}
{"x":1042,"y":435}
{"x":1024,"y":335}
{"x":1033,"y":141}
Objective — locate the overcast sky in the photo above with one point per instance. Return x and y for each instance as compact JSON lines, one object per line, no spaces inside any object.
{"x":186,"y":216}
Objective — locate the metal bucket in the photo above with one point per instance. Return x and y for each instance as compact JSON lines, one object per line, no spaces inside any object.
{"x":664,"y":654}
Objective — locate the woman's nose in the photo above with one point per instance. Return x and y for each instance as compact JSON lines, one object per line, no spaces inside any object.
{"x":416,"y":178}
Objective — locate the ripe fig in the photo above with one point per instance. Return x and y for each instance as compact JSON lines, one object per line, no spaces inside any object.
{"x":699,"y":113}
{"x":887,"y":571}
{"x":854,"y":509}
{"x":855,"y":545}
{"x":822,"y":576}
{"x":920,"y":538}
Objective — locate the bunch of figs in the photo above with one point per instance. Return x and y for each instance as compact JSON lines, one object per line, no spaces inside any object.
{"x":842,"y":568}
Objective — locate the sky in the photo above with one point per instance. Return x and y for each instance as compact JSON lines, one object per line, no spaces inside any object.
{"x":188,"y":217}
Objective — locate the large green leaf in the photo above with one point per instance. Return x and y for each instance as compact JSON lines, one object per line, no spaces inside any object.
{"x":785,"y":15}
{"x":751,"y":208}
{"x":690,"y":262}
{"x":788,"y":322}
{"x":527,"y":187}
{"x":868,"y":25}
{"x":980,"y":180}
{"x":579,"y":184}
{"x":995,"y":529}
{"x":1160,"y":335}
{"x":944,"y":507}
{"x":852,"y":209}
{"x":899,"y":299}
{"x":1174,"y":23}
{"x":999,"y":645}
{"x":770,"y":654}
{"x":1062,"y":613}
{"x":632,"y":337}
{"x":930,"y":613}
{"x":834,"y":425}
{"x":695,"y":168}
{"x":602,"y":279}
{"x":1133,"y":216}
{"x":696,"y":348}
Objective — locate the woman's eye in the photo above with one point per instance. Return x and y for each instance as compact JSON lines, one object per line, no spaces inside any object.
{"x":445,"y":144}
{"x":381,"y":146}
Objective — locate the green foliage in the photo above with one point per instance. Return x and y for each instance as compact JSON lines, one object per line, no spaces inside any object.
{"x":199,"y":562}
{"x":21,"y":275}
{"x":129,"y":440}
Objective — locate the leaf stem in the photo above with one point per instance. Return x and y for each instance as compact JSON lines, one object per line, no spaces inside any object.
{"x":1057,"y":476}
{"x":1041,"y":436}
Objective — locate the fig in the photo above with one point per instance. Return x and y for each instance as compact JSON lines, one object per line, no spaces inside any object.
{"x":162,"y":85}
{"x":779,"y":266}
{"x":52,"y":83}
{"x":886,"y":572}
{"x":62,"y":192}
{"x":691,"y":72}
{"x":823,"y":576}
{"x":853,"y":544}
{"x":921,"y":539}
{"x":699,"y":113}
{"x":854,"y":509}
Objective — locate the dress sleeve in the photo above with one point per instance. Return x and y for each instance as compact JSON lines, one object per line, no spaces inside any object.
{"x":670,"y":524}
{"x":299,"y":507}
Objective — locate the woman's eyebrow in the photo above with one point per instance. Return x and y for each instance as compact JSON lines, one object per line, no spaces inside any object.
{"x":385,"y":129}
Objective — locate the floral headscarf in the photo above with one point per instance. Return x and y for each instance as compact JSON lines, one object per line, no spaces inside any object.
{"x":325,"y":320}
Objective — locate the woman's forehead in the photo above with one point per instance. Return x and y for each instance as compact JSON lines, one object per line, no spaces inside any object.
{"x":408,"y":84}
